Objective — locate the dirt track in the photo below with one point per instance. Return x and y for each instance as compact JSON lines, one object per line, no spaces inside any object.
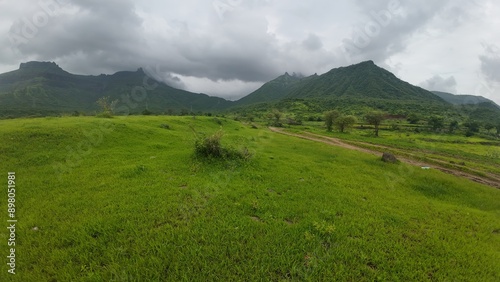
{"x":490,"y":181}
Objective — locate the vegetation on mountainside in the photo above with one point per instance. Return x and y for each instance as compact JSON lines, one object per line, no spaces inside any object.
{"x":40,"y":89}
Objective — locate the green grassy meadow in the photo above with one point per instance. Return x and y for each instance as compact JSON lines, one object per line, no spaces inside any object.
{"x":124,"y":199}
{"x":478,"y":154}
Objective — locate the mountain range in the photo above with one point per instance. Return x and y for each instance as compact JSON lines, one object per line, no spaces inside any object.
{"x":43,"y":88}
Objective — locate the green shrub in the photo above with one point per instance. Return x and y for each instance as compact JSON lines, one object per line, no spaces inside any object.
{"x":210,"y":147}
{"x":217,"y":121}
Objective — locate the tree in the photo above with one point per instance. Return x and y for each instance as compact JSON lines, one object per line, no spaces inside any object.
{"x":413,"y":118}
{"x":375,"y":118}
{"x":435,"y":123}
{"x":330,"y":118}
{"x":453,"y":126}
{"x":472,"y":127}
{"x":489,"y":126}
{"x":275,"y":118}
{"x":344,"y":122}
{"x":106,"y":106}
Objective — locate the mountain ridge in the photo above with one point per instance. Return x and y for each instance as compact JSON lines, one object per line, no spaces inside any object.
{"x":463,"y":99}
{"x":40,"y":88}
{"x":44,"y":88}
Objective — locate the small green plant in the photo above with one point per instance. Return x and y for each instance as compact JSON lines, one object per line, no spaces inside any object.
{"x":218,"y":121}
{"x":210,"y":147}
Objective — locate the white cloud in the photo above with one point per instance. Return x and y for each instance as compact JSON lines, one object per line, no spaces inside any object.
{"x":438,"y":83}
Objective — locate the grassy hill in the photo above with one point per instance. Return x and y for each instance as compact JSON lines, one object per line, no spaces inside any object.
{"x":356,"y":82}
{"x":124,"y":199}
{"x":363,"y":80}
{"x":44,"y":88}
{"x":360,"y":88}
{"x":274,"y":90}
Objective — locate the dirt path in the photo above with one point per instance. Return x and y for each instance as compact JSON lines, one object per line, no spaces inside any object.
{"x":490,"y":181}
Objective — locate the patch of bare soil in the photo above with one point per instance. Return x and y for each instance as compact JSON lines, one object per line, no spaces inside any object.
{"x":490,"y":181}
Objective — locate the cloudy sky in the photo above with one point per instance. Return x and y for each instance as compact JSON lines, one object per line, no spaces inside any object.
{"x":229,"y":48}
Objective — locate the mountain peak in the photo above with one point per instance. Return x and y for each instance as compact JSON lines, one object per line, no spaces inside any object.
{"x":38,"y":65}
{"x":368,"y":63}
{"x":41,"y":66}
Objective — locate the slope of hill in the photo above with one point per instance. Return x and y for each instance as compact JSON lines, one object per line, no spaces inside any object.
{"x":487,"y":112}
{"x":274,"y":90}
{"x":44,"y":88}
{"x":363,"y":80}
{"x":353,"y":89}
{"x":135,"y":205}
{"x":462,"y":99}
{"x":356,"y":82}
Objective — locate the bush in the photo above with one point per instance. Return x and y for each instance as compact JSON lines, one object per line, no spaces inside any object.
{"x":104,"y":115}
{"x":217,"y":121}
{"x":210,"y":147}
{"x":291,"y":121}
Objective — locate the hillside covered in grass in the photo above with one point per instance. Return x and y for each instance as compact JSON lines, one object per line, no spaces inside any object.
{"x":125,"y":199}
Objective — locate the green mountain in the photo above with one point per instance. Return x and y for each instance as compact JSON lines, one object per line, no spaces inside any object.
{"x":356,"y":82}
{"x":351,"y":89}
{"x":44,"y":88}
{"x":274,"y":90}
{"x":487,"y":112}
{"x":360,"y":81}
{"x":462,"y":99}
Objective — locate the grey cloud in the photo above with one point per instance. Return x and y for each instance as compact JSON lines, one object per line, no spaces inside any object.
{"x":438,"y":83}
{"x":312,"y":43}
{"x":386,"y":32}
{"x":490,"y":63}
{"x":106,"y":33}
{"x":252,"y":42}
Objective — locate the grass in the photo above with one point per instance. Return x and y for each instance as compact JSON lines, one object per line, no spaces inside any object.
{"x":477,"y":153}
{"x":124,"y":199}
